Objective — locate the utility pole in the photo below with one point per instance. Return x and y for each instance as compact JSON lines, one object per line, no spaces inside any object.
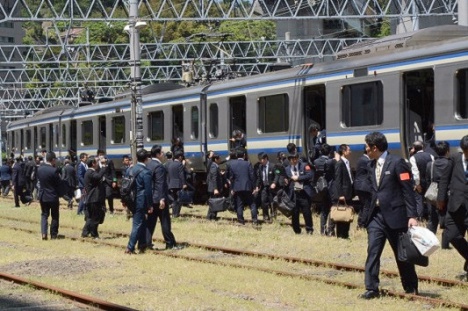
{"x":136,"y":114}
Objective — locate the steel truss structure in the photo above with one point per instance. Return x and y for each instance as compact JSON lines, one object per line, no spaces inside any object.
{"x":44,"y":75}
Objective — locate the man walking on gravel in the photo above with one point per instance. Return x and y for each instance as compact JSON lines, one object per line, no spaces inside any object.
{"x":144,"y":202}
{"x":49,"y":177}
{"x":391,"y":212}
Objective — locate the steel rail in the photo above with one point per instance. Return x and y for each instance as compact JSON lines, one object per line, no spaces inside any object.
{"x":385,"y":292}
{"x":84,"y":299}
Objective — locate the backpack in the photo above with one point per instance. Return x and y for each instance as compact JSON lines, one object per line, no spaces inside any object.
{"x":128,"y":191}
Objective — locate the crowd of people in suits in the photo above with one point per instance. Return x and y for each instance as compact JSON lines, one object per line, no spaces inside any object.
{"x":387,"y":191}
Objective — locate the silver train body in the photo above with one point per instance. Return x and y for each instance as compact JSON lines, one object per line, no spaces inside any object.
{"x":398,"y":85}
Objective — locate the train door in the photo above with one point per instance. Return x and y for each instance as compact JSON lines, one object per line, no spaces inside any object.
{"x":418,"y":107}
{"x":314,"y":112}
{"x":73,"y":139}
{"x":102,"y":133}
{"x":178,"y":122}
{"x":22,"y":140}
{"x":237,"y":115}
{"x":34,"y":141}
{"x":50,"y":146}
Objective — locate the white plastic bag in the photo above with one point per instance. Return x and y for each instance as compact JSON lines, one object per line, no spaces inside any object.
{"x":426,"y":241}
{"x":78,"y":194}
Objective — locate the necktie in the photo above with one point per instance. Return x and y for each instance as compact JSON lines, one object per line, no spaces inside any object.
{"x":265,"y":174}
{"x":295,"y":170}
{"x":466,"y":170}
{"x":378,"y":171}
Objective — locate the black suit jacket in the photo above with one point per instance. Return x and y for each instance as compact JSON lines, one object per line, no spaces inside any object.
{"x":395,"y":192}
{"x":306,"y":176}
{"x":270,"y":175}
{"x":175,"y":174}
{"x":159,"y":177}
{"x":360,"y":180}
{"x":343,"y":184}
{"x":49,"y":177}
{"x":18,"y":179}
{"x":214,"y":178}
{"x":95,"y":185}
{"x":241,"y":174}
{"x":454,"y":180}
{"x":69,"y":175}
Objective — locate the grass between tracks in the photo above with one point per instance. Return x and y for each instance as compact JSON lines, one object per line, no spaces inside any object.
{"x":152,"y":282}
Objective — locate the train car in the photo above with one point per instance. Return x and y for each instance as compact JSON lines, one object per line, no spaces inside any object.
{"x":404,"y":86}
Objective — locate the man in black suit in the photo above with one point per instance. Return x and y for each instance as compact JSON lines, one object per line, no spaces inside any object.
{"x":455,"y":180}
{"x":419,"y":161}
{"x":19,"y":183}
{"x":362,"y":187}
{"x":176,"y":180}
{"x":160,"y":200}
{"x":49,"y":178}
{"x":214,"y":182}
{"x":81,"y":169}
{"x":241,"y":175}
{"x":391,"y":212}
{"x":110,"y":179}
{"x":264,"y":182}
{"x":344,"y":187}
{"x":325,"y":166}
{"x":144,"y":202}
{"x":70,"y":181}
{"x":5,"y":177}
{"x":95,"y":196}
{"x":300,"y":177}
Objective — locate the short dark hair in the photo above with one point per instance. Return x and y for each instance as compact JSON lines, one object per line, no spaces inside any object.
{"x":325,"y":149}
{"x":377,"y":139}
{"x":418,"y":145}
{"x":99,"y":151}
{"x":91,"y":161}
{"x":125,"y":157}
{"x":240,"y":152}
{"x":169,"y":154}
{"x":156,"y":149}
{"x":342,"y":149}
{"x":291,"y":147}
{"x":441,"y":148}
{"x":142,"y":155}
{"x":178,"y":154}
{"x":464,"y":143}
{"x":50,"y":156}
{"x":262,"y":155}
{"x":82,"y":155}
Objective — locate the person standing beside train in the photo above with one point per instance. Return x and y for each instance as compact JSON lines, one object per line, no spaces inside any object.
{"x":241,"y":175}
{"x":110,"y":179}
{"x":82,"y":167}
{"x":264,"y":181}
{"x":300,"y":190}
{"x":344,"y":187}
{"x":160,"y":201}
{"x":95,"y":196}
{"x":455,"y":181}
{"x":19,"y":183}
{"x":5,"y":177}
{"x":176,"y":180}
{"x":391,"y":212}
{"x":49,"y":178}
{"x":419,"y":161}
{"x":214,"y":182}
{"x":144,"y":202}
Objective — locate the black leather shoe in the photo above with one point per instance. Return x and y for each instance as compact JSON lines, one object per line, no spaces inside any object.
{"x":370,"y":294}
{"x":129,"y":252}
{"x":44,"y":237}
{"x":174,"y":247}
{"x":465,"y":267}
{"x":412,"y":291}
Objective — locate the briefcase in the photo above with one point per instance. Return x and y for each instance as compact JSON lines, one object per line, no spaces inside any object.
{"x":185,"y":196}
{"x":217,"y":204}
{"x":408,"y":252}
{"x":342,"y":213}
{"x":283,"y":203}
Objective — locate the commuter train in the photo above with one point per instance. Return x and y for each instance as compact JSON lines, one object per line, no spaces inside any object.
{"x":399,"y":85}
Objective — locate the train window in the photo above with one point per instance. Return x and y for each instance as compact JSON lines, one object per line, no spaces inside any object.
{"x":118,"y":130}
{"x":273,"y":113}
{"x":362,"y":104}
{"x":28,"y":139}
{"x":195,"y":122}
{"x":156,"y":125}
{"x":87,"y":133}
{"x":214,"y":120}
{"x":42,"y":137}
{"x":462,"y":98}
{"x":64,"y":135}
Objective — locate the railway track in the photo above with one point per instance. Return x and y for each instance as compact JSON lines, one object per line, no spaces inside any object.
{"x":83,"y":300}
{"x":446,"y":283}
